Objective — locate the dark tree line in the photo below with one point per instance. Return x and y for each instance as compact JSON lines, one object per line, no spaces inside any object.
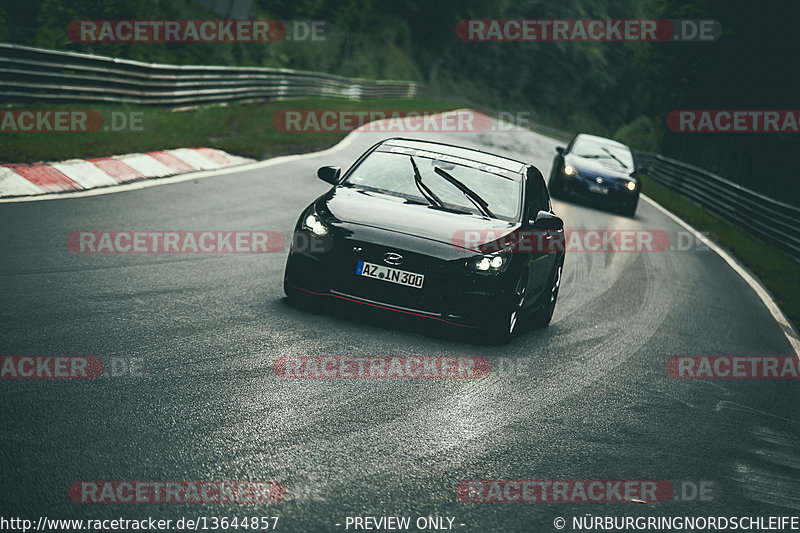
{"x":616,"y":89}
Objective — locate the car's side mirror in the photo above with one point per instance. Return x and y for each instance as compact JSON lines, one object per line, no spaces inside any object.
{"x":329,"y":174}
{"x":639,"y":170}
{"x":546,"y":220}
{"x":560,"y":150}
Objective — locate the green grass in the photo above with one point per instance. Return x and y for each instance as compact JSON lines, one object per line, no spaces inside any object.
{"x":244,"y":129}
{"x":777,"y":270}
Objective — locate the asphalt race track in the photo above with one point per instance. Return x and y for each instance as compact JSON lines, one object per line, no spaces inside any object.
{"x":586,"y":398}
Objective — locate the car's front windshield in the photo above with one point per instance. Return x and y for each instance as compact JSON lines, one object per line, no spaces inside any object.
{"x":595,"y":149}
{"x":393,"y":174}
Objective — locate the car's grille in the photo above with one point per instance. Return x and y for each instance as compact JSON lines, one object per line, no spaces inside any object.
{"x":613,"y":184}
{"x":428,"y":298}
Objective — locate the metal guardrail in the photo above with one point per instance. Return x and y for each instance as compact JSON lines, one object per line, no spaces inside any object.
{"x":773,"y":221}
{"x":37,"y":74}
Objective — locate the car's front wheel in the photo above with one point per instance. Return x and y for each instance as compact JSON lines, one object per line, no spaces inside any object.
{"x":542,"y":317}
{"x":555,"y":188}
{"x":501,"y":328}
{"x":630,"y":209}
{"x":294,"y":296}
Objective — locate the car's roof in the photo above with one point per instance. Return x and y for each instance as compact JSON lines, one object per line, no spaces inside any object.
{"x":601,"y":140}
{"x":479,"y":156}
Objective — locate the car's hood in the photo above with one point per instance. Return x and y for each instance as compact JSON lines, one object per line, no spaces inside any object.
{"x":375,"y":210}
{"x":597,"y":167}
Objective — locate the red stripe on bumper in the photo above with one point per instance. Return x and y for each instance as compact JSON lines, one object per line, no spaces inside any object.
{"x":385,"y":307}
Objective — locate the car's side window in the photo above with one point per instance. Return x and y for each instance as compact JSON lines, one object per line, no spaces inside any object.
{"x":545,"y":197}
{"x":538,"y":199}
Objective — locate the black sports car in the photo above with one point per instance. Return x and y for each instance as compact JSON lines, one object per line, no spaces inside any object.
{"x":391,"y":234}
{"x":598,"y":171}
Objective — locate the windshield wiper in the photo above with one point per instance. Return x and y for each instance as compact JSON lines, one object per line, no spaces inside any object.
{"x":615,"y":158}
{"x":426,"y":192}
{"x":471,"y":195}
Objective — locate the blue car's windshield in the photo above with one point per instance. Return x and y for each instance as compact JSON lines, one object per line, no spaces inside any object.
{"x":595,"y":149}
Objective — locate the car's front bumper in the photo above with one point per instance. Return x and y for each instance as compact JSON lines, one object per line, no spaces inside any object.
{"x":578,"y":187}
{"x":450,"y":293}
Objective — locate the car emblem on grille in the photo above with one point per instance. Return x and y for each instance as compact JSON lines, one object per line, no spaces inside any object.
{"x":392,"y":258}
{"x":599,"y":179}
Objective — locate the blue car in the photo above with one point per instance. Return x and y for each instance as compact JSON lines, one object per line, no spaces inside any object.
{"x":597,"y":171}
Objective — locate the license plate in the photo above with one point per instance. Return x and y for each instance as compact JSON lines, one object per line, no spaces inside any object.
{"x":599,"y":189}
{"x":392,"y":275}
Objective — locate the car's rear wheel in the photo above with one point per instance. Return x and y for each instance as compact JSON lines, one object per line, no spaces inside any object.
{"x":542,"y":317}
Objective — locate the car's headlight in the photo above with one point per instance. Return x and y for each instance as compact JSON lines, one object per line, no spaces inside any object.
{"x":631,"y":185}
{"x":490,"y":264}
{"x":313,"y":224}
{"x":570,"y":171}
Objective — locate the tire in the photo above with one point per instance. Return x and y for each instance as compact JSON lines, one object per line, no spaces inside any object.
{"x":502,"y":327}
{"x":555,"y":188}
{"x":294,"y":296}
{"x":299,"y":299}
{"x":542,"y":317}
{"x":630,"y":210}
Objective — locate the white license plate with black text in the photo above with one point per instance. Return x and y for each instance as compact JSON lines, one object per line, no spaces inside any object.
{"x":392,"y":275}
